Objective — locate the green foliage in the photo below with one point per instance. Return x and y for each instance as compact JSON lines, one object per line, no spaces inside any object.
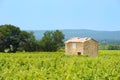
{"x":9,"y":35}
{"x":109,"y":47}
{"x":114,"y":47}
{"x":61,"y":50}
{"x":27,"y":41}
{"x":52,"y":40}
{"x":13,"y":39}
{"x":57,"y":66}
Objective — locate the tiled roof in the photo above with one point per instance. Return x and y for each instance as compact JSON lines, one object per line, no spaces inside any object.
{"x":77,"y":39}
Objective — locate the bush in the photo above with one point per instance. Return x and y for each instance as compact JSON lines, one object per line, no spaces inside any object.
{"x":61,"y":50}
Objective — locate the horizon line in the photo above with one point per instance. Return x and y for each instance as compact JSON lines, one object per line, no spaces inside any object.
{"x":67,"y":29}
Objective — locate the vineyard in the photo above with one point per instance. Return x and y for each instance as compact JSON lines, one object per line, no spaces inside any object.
{"x":58,"y":66}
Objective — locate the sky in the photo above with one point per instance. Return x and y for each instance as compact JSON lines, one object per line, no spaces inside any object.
{"x":61,"y":14}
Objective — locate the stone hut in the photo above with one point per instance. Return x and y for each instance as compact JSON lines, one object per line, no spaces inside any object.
{"x":80,"y":46}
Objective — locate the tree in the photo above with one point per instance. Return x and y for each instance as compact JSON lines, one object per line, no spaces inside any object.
{"x":27,"y":41}
{"x":9,"y":37}
{"x":58,"y":37}
{"x":13,"y":39}
{"x":113,"y":47}
{"x":52,"y":40}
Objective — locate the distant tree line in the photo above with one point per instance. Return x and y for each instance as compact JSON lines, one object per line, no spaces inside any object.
{"x":110,"y":47}
{"x":109,"y":41}
{"x":13,"y":39}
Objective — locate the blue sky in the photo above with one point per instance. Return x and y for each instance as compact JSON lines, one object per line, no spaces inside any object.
{"x":61,"y":14}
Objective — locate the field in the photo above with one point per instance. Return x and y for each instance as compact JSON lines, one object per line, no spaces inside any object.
{"x":57,"y":66}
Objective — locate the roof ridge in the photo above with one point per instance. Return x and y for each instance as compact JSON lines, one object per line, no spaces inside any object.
{"x":78,"y":39}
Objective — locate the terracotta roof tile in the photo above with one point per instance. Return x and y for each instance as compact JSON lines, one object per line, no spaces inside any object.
{"x":77,"y":39}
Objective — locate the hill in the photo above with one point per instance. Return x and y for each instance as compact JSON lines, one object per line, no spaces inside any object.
{"x":104,"y":37}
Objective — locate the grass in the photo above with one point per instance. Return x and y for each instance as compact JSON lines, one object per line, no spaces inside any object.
{"x":58,"y":66}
